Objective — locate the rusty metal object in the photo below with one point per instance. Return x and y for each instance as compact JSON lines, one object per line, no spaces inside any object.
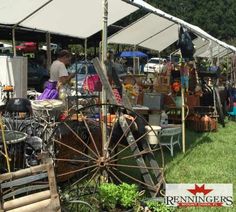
{"x":81,"y":160}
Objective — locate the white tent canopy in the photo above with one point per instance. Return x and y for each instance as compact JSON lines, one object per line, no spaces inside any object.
{"x":83,"y":18}
{"x":151,"y":31}
{"x":161,"y":31}
{"x":205,"y":48}
{"x":77,"y":18}
{"x":217,"y":51}
{"x":200,"y":43}
{"x":157,"y":33}
{"x":159,"y":42}
{"x":196,"y":30}
{"x":11,"y":11}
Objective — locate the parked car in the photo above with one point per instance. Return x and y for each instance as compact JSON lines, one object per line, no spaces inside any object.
{"x":54,"y":48}
{"x":155,"y":64}
{"x":27,"y":47}
{"x":37,"y":76}
{"x":5,"y":48}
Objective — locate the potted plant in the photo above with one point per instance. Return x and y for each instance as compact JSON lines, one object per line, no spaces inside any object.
{"x":108,"y":196}
{"x":128,"y":196}
{"x":123,"y":197}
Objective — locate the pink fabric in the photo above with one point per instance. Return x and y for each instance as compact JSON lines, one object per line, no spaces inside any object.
{"x":117,"y":96}
{"x":92,"y":83}
{"x":184,"y":70}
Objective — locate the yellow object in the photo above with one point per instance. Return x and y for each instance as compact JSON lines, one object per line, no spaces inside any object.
{"x":8,"y":88}
{"x":131,"y":89}
{"x":5,"y":145}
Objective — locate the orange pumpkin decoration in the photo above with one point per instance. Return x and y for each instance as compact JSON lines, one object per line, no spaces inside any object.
{"x":176,"y":86}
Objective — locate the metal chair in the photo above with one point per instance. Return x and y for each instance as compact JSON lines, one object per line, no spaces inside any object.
{"x":170,"y":136}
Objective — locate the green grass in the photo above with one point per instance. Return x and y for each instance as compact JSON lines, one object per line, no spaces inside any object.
{"x":209,"y":158}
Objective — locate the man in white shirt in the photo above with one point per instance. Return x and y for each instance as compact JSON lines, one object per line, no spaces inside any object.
{"x":58,"y":71}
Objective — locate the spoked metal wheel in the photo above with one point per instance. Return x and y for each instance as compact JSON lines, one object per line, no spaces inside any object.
{"x":91,"y":146}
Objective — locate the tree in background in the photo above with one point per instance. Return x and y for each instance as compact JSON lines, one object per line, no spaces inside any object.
{"x":217,"y":17}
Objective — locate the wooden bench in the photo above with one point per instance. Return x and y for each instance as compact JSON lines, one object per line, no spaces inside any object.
{"x":31,"y":189}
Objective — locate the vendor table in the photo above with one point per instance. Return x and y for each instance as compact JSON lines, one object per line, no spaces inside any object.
{"x":151,"y":115}
{"x":140,"y":109}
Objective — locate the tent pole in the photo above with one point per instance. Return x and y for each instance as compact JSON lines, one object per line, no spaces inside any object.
{"x":104,"y":94}
{"x":231,"y":70}
{"x":211,"y":53}
{"x":94,"y":49}
{"x":14,"y":40}
{"x":49,"y":57}
{"x":25,"y":18}
{"x":183,"y":118}
{"x":227,"y":69}
{"x":85,"y":49}
{"x":19,"y":22}
{"x":5,"y":154}
{"x":233,"y":76}
{"x":218,"y":58}
{"x":218,"y":62}
{"x":104,"y":34}
{"x":100,"y":50}
{"x":134,"y":65}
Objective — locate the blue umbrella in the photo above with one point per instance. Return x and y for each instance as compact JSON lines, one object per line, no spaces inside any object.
{"x":132,"y":54}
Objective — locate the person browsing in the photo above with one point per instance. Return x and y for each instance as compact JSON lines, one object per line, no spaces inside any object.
{"x":58,"y":71}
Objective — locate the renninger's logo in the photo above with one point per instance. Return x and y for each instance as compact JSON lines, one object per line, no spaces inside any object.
{"x":199,"y":195}
{"x":200,"y":189}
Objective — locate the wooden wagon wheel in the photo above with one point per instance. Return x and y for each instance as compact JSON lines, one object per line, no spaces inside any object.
{"x":81,"y":160}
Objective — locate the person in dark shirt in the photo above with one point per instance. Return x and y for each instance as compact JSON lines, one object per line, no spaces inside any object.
{"x":112,"y":72}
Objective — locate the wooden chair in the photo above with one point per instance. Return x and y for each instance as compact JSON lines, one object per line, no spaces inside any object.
{"x":28,"y":190}
{"x":170,"y":136}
